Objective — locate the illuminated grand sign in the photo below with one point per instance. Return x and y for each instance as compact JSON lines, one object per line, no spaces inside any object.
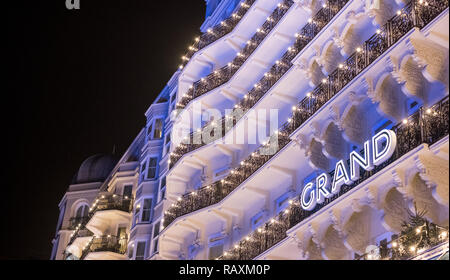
{"x":375,"y":153}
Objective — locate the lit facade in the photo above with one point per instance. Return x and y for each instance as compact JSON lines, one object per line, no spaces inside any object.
{"x":352,"y":98}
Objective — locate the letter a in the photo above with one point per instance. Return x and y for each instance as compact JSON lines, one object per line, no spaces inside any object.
{"x":73,"y":4}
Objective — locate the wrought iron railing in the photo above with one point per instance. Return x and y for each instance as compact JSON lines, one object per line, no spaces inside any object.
{"x":109,"y":201}
{"x":426,"y":126}
{"x":106,"y":243}
{"x":409,"y":244}
{"x":75,"y":222}
{"x":224,"y":74}
{"x":306,"y":35}
{"x":217,"y":191}
{"x":215,"y":33}
{"x":79,"y":232}
{"x":105,"y":201}
{"x":78,"y":225}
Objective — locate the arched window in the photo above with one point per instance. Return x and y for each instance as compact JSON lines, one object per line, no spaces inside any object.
{"x":82,"y":211}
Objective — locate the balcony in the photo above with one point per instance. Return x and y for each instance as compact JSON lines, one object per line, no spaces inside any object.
{"x":105,"y":248}
{"x":413,"y":243}
{"x":108,"y":201}
{"x":306,"y":35}
{"x":76,"y":222}
{"x":393,"y":30}
{"x":108,"y":211}
{"x":215,"y":33}
{"x":224,"y":74}
{"x":423,"y":127}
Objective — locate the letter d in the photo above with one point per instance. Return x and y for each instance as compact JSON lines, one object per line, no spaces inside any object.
{"x":380,"y":153}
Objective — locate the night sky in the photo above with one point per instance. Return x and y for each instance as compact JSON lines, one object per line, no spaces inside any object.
{"x":78,"y":83}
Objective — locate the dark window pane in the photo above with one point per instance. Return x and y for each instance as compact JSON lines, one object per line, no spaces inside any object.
{"x":157,"y":133}
{"x":140,"y":251}
{"x":156,"y":230}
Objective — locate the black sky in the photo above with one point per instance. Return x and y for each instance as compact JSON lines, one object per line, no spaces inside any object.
{"x":78,"y":83}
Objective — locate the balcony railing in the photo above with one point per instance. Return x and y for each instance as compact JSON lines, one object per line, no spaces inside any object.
{"x":410,"y":244}
{"x":78,"y":225}
{"x":107,"y":243}
{"x":75,"y":222}
{"x":306,"y":35}
{"x":109,"y":201}
{"x":425,"y":126}
{"x":79,"y":232}
{"x":374,"y":47}
{"x":215,"y":33}
{"x":224,"y":74}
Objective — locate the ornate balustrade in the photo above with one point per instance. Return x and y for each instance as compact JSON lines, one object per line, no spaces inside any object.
{"x":109,"y":201}
{"x":107,"y":243}
{"x":425,"y":126}
{"x":412,"y":242}
{"x":224,"y":74}
{"x":376,"y":45}
{"x":215,"y":33}
{"x":75,"y":222}
{"x":105,"y":201}
{"x":307,"y":33}
{"x":78,"y":225}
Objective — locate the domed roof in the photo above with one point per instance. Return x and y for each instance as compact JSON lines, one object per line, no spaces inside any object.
{"x":95,"y":169}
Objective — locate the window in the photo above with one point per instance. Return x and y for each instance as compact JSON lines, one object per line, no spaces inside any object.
{"x":143,"y":211}
{"x":172,"y":101}
{"x":157,"y":133}
{"x":156,"y":229}
{"x":140,"y":251}
{"x":162,"y":188}
{"x":215,"y":246}
{"x":146,"y":210}
{"x":282,"y":202}
{"x":215,"y":251}
{"x":143,"y":168}
{"x":167,"y":144}
{"x":257,"y":220}
{"x":131,"y":251}
{"x":128,"y":191}
{"x":152,"y":164}
{"x":163,"y":183}
{"x":139,"y":192}
{"x":149,"y":130}
{"x":137,"y":210}
{"x":155,"y":245}
{"x":172,"y":98}
{"x":163,"y":194}
{"x":82,"y":211}
{"x":413,"y":106}
{"x":382,"y":124}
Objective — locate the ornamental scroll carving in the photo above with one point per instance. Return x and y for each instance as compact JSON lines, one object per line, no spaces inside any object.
{"x":434,"y":172}
{"x":313,"y":151}
{"x":381,"y":10}
{"x":408,"y":74}
{"x":354,"y":33}
{"x":424,"y":200}
{"x":395,"y":210}
{"x":355,"y":124}
{"x":432,"y":56}
{"x":387,"y":93}
{"x":334,"y":248}
{"x":357,"y":230}
{"x":334,"y":145}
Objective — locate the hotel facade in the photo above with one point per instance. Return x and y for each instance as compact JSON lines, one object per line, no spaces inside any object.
{"x":292,"y":130}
